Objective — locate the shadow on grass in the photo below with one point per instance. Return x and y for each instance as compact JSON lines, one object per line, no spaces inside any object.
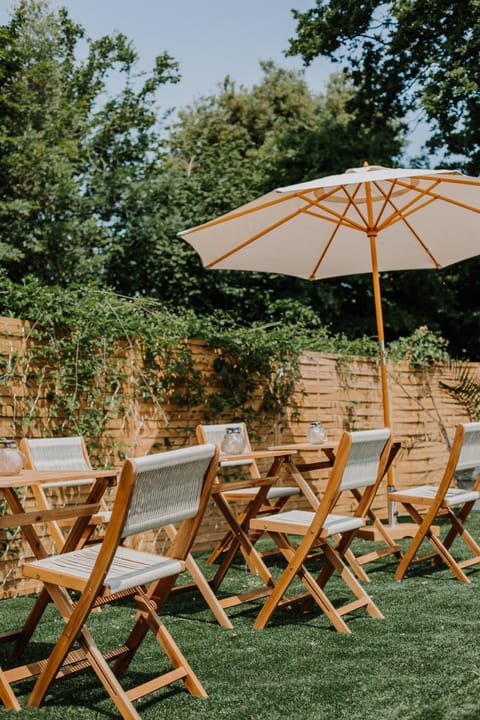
{"x":420,"y":663}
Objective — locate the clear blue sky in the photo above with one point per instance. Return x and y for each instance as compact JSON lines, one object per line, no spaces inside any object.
{"x":208,"y":38}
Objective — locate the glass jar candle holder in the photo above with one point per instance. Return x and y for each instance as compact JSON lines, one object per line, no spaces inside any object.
{"x":233,"y":442}
{"x":11,"y":459}
{"x":316,"y":433}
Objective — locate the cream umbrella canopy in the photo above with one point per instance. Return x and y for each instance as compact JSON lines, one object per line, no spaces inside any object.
{"x":366,"y":220}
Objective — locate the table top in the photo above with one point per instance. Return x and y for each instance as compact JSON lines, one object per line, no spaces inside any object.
{"x":37,"y":477}
{"x":305,"y":446}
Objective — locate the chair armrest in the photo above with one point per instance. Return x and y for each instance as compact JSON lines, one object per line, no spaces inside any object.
{"x":242,"y":484}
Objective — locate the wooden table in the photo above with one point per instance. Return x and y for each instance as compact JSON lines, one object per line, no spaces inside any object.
{"x":19,"y":516}
{"x":241,"y":540}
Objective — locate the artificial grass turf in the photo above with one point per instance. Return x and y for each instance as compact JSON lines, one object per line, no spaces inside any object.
{"x":422,"y":662}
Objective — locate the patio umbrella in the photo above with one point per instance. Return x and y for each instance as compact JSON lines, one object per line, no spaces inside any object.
{"x":366,"y":220}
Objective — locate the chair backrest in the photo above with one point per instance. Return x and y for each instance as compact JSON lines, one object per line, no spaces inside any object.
{"x":366,"y":448}
{"x":215,"y":434}
{"x":464,"y":458}
{"x":56,"y":453}
{"x":360,"y":462}
{"x":165,"y":488}
{"x":469,"y":458}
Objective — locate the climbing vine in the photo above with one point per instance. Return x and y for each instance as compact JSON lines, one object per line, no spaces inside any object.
{"x":89,"y":355}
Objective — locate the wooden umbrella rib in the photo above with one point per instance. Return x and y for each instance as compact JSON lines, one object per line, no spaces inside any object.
{"x":253,"y":238}
{"x":236,"y":214}
{"x":419,"y":240}
{"x":355,"y":205}
{"x":406,"y":211}
{"x":457,"y":203}
{"x":387,"y":200}
{"x":393,"y":217}
{"x":400,"y":216}
{"x":454,"y":180}
{"x":429,"y":191}
{"x":339,"y":219}
{"x":424,"y":197}
{"x":413,"y":205}
{"x":325,"y":250}
{"x":332,"y":215}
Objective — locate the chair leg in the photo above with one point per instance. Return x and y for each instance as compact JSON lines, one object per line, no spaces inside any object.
{"x":101,"y":668}
{"x":356,"y":566}
{"x":148,"y":618}
{"x":7,"y":696}
{"x":240,"y":542}
{"x":74,"y":617}
{"x":458,"y":525}
{"x":30,"y":624}
{"x":207,"y":593}
{"x":322,"y":600}
{"x":226,"y":541}
{"x":342,"y":547}
{"x":222,"y":547}
{"x":203,"y":585}
{"x":295,"y":559}
{"x":156,"y":596}
{"x":425,"y":532}
{"x":351,"y":581}
{"x":282,"y":584}
{"x":392,"y":548}
{"x":423,"y":523}
{"x":119,"y":697}
{"x":76,"y":630}
{"x":448,"y":559}
{"x":458,"y":529}
{"x":148,"y":610}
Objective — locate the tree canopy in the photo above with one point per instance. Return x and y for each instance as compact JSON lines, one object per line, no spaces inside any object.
{"x":73,"y":161}
{"x":415,"y":59}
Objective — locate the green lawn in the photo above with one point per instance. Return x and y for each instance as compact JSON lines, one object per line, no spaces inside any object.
{"x":422,"y":662}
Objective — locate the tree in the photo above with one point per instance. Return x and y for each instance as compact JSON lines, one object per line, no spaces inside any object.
{"x":71,"y":162}
{"x":407,"y":58}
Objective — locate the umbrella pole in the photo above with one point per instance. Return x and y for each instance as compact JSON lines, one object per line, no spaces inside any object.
{"x":387,"y":415}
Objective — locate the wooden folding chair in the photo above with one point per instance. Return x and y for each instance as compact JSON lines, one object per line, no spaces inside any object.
{"x":153,"y":491}
{"x":427,"y":503}
{"x":60,"y":453}
{"x":70,"y":453}
{"x":277,"y":495}
{"x":359,"y":464}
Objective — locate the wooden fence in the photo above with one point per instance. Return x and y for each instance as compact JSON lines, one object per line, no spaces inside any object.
{"x":341,"y":392}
